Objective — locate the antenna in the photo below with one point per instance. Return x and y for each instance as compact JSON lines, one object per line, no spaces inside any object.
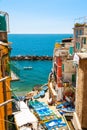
{"x":81,"y":20}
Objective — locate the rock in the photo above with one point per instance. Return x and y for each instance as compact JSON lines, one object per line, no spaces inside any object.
{"x":33,"y":58}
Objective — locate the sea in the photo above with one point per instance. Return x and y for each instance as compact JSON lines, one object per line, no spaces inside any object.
{"x":34,"y":45}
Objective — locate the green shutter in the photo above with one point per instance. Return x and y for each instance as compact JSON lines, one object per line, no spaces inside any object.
{"x":71,"y":50}
{"x":84,"y":40}
{"x":73,"y":77}
{"x":77,"y":45}
{"x":3,"y":23}
{"x":80,"y":32}
{"x":63,"y":67}
{"x":76,"y":33}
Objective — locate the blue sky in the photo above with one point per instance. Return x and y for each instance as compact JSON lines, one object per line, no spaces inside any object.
{"x":43,"y":16}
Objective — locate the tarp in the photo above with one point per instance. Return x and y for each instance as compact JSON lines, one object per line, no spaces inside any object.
{"x":24,"y":116}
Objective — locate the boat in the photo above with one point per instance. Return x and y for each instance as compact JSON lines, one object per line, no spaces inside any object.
{"x":68,"y":109}
{"x":27,"y":67}
{"x":45,"y":88}
{"x":36,"y":96}
{"x":42,"y":93}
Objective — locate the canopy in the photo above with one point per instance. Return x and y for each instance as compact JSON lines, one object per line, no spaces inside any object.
{"x":24,"y":116}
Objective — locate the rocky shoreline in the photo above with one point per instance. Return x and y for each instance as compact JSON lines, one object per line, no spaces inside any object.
{"x":33,"y":58}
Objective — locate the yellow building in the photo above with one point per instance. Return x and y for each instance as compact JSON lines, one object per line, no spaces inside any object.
{"x":5,"y":93}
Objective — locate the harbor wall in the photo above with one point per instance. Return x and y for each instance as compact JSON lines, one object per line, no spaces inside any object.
{"x":31,"y":58}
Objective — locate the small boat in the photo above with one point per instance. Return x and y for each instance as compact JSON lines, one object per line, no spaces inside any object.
{"x":36,"y":96}
{"x":45,"y":88}
{"x":42,"y":93}
{"x":68,"y":109}
{"x":27,"y":67}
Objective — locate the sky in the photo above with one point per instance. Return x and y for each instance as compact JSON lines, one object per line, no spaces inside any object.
{"x":43,"y":16}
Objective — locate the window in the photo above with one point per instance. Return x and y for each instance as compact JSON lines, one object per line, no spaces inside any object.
{"x":76,"y":33}
{"x":71,"y":50}
{"x":84,"y":41}
{"x":77,"y":45}
{"x":73,"y":77}
{"x":63,"y":67}
{"x":80,"y":32}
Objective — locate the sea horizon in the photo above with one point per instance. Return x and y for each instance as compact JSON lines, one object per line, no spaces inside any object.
{"x":40,"y":33}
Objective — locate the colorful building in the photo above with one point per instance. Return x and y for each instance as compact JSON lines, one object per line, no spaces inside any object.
{"x":63,"y":69}
{"x":80,"y":61}
{"x":68,"y":74}
{"x":5,"y":92}
{"x":80,"y":37}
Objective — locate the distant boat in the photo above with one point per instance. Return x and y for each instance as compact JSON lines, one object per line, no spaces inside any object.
{"x":27,"y":67}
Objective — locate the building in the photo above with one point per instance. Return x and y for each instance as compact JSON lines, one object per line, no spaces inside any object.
{"x":80,"y":37}
{"x":63,"y":71}
{"x":69,"y":72}
{"x":80,"y":60}
{"x":5,"y":92}
{"x":80,"y":117}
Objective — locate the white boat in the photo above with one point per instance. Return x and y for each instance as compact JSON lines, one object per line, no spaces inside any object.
{"x":27,"y":67}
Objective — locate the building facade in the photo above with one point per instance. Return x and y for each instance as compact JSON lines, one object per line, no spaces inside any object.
{"x":63,"y":70}
{"x":80,"y":43}
{"x":80,"y":37}
{"x":5,"y":92}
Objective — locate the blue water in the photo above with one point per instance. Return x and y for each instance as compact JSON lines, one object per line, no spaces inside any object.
{"x":33,"y":44}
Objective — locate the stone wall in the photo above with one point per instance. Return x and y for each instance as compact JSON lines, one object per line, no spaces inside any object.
{"x":81,"y":93}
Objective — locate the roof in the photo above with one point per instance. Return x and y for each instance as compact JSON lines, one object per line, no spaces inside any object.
{"x":67,"y":40}
{"x":82,"y":55}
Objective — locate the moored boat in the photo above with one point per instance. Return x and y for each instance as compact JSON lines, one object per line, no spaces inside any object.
{"x":27,"y":67}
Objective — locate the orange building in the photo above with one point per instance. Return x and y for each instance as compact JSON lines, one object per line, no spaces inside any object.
{"x":5,"y":93}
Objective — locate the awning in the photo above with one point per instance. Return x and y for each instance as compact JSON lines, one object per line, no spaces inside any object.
{"x":24,"y":116}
